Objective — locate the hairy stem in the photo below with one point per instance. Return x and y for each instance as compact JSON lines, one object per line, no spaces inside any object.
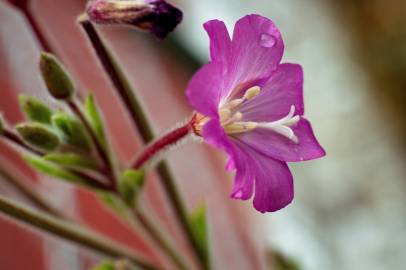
{"x":134,"y":108}
{"x":70,"y":232}
{"x":162,"y":143}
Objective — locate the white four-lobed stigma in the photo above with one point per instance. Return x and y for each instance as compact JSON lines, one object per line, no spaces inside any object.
{"x":283,"y":125}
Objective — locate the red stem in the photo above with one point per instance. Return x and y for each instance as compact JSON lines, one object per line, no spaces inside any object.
{"x":159,"y":145}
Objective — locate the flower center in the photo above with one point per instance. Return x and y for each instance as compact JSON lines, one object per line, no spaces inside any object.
{"x":232,"y":121}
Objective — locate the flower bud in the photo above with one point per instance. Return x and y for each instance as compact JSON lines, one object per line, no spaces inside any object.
{"x":38,"y":136}
{"x":156,"y":16}
{"x":56,"y":78}
{"x":131,"y":181}
{"x":35,"y":110}
{"x":73,"y":132}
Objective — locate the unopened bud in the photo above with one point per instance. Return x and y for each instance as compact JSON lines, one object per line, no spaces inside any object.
{"x":56,"y":78}
{"x":156,"y":16}
{"x":130,"y":183}
{"x":35,"y":110}
{"x":38,"y":136}
{"x":73,"y":132}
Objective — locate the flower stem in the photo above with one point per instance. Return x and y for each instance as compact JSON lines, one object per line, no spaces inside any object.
{"x":134,"y":108}
{"x":70,"y":232}
{"x":153,"y":232}
{"x":162,"y":143}
{"x":25,"y":9}
{"x":16,"y":140}
{"x":158,"y":238}
{"x":29,"y":193}
{"x":102,"y":153}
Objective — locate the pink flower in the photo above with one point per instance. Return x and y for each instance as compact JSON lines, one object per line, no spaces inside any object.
{"x":251,"y":106}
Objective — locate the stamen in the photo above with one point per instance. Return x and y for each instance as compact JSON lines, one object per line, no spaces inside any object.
{"x":282,"y":126}
{"x":224,"y":114}
{"x":238,"y":127}
{"x":252,"y":92}
{"x":249,"y":94}
{"x":236,"y":117}
{"x":233,"y":103}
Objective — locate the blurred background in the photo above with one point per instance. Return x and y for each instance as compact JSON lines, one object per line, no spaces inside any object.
{"x":350,"y":207}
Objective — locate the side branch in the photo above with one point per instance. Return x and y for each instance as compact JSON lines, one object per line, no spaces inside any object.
{"x":70,"y":232}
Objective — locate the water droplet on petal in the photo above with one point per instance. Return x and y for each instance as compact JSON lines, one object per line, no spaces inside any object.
{"x":267,"y":40}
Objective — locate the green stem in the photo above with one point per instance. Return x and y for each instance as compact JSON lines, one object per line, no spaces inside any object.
{"x":158,"y":238}
{"x":101,"y":151}
{"x":70,"y":232}
{"x":153,"y":232}
{"x":33,"y":196}
{"x":134,"y":108}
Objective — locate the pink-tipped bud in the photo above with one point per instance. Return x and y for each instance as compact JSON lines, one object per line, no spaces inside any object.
{"x":156,"y":16}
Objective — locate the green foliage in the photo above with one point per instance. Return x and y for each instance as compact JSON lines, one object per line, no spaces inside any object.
{"x":282,"y":262}
{"x":198,"y":224}
{"x":95,"y":119}
{"x":74,"y":133}
{"x":53,"y":170}
{"x":130,"y":183}
{"x":56,"y":78}
{"x":35,"y":110}
{"x":114,"y":203}
{"x":106,"y":265}
{"x":38,"y":135}
{"x":71,"y":160}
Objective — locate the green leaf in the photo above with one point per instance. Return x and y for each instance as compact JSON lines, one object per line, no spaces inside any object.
{"x":198,"y":224}
{"x":95,"y":119}
{"x":38,"y":135}
{"x":71,"y":160}
{"x":55,"y":76}
{"x":122,"y":264}
{"x":106,"y":265}
{"x":73,"y":131}
{"x":282,"y":262}
{"x":114,"y":203}
{"x":35,"y":109}
{"x":53,"y":170}
{"x":131,"y":181}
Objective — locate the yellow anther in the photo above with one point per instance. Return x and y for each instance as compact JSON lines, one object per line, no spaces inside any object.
{"x":252,"y":92}
{"x":224,"y":114}
{"x":238,"y":127}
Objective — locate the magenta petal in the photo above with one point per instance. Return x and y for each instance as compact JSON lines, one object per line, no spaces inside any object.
{"x":214,"y":135}
{"x":245,"y":174}
{"x":204,"y":89}
{"x":273,"y":180}
{"x":220,"y":42}
{"x":283,"y":89}
{"x":257,"y":49}
{"x":281,"y":148}
{"x":273,"y":185}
